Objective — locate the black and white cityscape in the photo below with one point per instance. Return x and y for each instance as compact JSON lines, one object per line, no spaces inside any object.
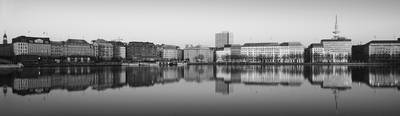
{"x":199,"y":57}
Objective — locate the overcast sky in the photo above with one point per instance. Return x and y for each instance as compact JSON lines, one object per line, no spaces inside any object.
{"x":183,"y":22}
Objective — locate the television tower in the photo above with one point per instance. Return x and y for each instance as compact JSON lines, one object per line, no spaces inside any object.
{"x":336,"y":32}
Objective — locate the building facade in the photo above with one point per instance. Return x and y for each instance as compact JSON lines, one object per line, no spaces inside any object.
{"x":315,"y":53}
{"x":6,"y":50}
{"x":170,"y":52}
{"x":78,"y":50}
{"x":231,"y":52}
{"x":103,"y":49}
{"x":57,"y":49}
{"x":287,"y":52}
{"x":384,"y":51}
{"x":223,"y":38}
{"x":139,"y":51}
{"x":38,"y":46}
{"x":119,"y":50}
{"x":337,"y":50}
{"x":198,"y":54}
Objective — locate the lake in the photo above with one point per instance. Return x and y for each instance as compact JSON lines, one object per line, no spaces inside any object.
{"x":201,"y":90}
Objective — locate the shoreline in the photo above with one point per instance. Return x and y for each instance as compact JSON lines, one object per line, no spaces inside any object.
{"x":247,"y":63}
{"x":215,"y":63}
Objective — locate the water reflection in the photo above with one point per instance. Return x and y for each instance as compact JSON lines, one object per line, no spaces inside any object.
{"x":250,"y":87}
{"x":42,"y":80}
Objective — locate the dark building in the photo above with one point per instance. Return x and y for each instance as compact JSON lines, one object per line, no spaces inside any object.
{"x":5,"y":38}
{"x":384,"y":51}
{"x":6,"y":50}
{"x":314,"y":53}
{"x":141,"y":51}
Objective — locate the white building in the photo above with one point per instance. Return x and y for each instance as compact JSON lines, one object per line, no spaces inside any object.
{"x":287,"y":52}
{"x":170,"y":52}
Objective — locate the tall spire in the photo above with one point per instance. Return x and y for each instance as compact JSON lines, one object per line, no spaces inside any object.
{"x":5,"y":38}
{"x":336,"y":32}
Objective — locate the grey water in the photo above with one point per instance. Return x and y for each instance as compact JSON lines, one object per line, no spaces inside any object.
{"x":201,"y":90}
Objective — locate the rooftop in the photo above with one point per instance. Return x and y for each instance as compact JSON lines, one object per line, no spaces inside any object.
{"x":261,"y":44}
{"x":77,"y":41}
{"x":291,"y":44}
{"x":385,"y":41}
{"x":314,"y":45}
{"x":338,"y":39}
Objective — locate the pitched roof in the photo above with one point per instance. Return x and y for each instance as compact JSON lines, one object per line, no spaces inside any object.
{"x":314,"y":45}
{"x":291,"y":44}
{"x":76,"y":41}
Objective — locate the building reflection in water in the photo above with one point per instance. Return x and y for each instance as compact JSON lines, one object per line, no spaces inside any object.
{"x":336,"y":77}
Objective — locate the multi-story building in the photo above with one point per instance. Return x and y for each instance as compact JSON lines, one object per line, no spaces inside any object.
{"x":6,"y":50}
{"x":223,"y":38}
{"x":103,"y":49}
{"x":377,"y":51}
{"x":330,"y":51}
{"x":57,"y":49}
{"x":337,"y":49}
{"x":198,"y":54}
{"x":119,"y":50}
{"x":315,"y":53}
{"x":287,"y":52}
{"x":230,"y":52}
{"x":139,"y":51}
{"x":37,"y":46}
{"x":170,"y":52}
{"x":78,"y":50}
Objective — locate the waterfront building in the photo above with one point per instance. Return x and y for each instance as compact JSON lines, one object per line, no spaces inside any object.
{"x":337,"y":49}
{"x":119,"y":50}
{"x":140,"y":51}
{"x":5,"y":39}
{"x":38,"y":46}
{"x":377,"y":51}
{"x":103,"y":49}
{"x":57,"y":49}
{"x":6,"y":50}
{"x":198,"y":54}
{"x":78,"y":50}
{"x":170,"y":52}
{"x":230,"y":52}
{"x":223,"y":38}
{"x":330,"y":51}
{"x":287,"y":52}
{"x":315,"y":53}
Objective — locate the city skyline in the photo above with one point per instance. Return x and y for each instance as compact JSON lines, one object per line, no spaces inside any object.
{"x":179,"y":22}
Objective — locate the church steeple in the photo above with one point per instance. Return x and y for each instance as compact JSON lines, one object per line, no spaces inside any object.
{"x":5,"y":38}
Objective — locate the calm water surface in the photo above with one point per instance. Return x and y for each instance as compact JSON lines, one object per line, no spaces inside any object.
{"x":201,"y":90}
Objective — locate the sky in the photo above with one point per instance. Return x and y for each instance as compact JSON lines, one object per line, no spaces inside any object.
{"x":180,"y":22}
